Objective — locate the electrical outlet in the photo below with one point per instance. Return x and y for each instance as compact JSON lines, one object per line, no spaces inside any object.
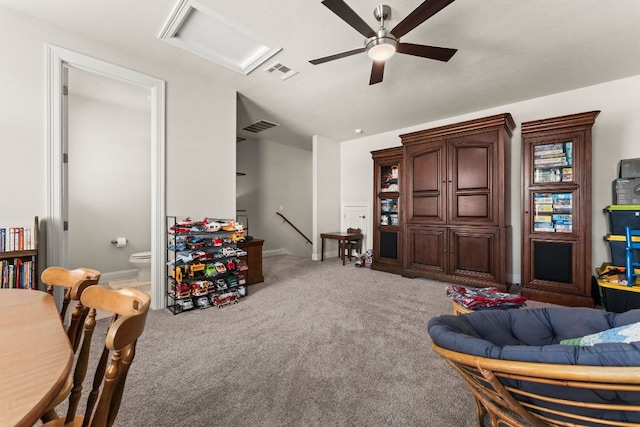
{"x":281,"y":208}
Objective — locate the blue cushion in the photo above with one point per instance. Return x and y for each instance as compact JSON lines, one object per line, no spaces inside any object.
{"x":534,"y":335}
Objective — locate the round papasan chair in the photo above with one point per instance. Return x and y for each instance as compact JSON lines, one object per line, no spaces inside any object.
{"x":520,"y":375}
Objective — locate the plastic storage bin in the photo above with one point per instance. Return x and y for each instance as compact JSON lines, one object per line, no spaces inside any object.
{"x":629,"y":168}
{"x":621,"y":216}
{"x":626,"y":191}
{"x":619,"y":298}
{"x":617,"y":248}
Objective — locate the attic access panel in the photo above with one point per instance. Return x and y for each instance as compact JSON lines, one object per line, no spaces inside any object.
{"x":195,"y":28}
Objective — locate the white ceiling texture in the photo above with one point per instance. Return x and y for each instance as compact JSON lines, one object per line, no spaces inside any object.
{"x":508,"y":50}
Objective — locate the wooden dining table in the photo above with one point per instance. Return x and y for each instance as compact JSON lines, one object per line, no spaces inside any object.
{"x":35,"y":355}
{"x":342,"y":238}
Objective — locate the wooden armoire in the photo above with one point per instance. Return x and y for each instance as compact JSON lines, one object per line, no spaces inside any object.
{"x":455,"y":209}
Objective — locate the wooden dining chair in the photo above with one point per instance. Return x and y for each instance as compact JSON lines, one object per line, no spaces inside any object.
{"x":73,"y":282}
{"x":129,"y":308}
{"x":354,"y":244}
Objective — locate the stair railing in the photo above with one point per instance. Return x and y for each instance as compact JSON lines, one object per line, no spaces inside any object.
{"x":294,"y":227}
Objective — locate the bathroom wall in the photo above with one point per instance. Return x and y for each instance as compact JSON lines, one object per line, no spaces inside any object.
{"x":109,"y":182}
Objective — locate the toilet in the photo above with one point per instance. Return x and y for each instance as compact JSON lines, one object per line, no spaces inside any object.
{"x":142,"y":261}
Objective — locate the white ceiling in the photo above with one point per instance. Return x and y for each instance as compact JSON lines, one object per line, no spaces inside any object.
{"x":508,"y":50}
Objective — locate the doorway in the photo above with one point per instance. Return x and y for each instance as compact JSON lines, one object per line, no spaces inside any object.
{"x":57,"y":195}
{"x":355,"y":215}
{"x":109,"y":176}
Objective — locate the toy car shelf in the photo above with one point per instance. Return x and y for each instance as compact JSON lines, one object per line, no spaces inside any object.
{"x":204,"y":267}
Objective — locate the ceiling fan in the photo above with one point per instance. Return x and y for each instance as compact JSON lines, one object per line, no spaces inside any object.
{"x":382,"y":44}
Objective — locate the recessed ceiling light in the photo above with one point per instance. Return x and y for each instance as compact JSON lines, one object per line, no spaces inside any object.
{"x":195,"y":28}
{"x":358,"y":131}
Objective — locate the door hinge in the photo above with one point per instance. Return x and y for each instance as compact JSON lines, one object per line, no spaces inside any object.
{"x":65,"y":90}
{"x":65,"y":225}
{"x":65,"y":158}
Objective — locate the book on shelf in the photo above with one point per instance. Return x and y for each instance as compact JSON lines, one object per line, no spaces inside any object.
{"x":13,"y":239}
{"x":550,"y":160}
{"x":548,"y":153}
{"x":563,"y":196}
{"x":544,"y":208}
{"x":562,"y":217}
{"x":542,"y":148}
{"x":543,"y":226}
{"x":542,"y":218}
{"x":540,"y":198}
{"x":18,"y":273}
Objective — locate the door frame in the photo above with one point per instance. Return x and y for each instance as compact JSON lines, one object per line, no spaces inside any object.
{"x":57,"y":245}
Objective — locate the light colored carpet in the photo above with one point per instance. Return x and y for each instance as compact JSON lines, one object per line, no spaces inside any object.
{"x":316,"y":344}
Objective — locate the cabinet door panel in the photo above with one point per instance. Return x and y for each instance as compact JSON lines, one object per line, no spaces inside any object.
{"x":423,"y":164}
{"x":472,"y":178}
{"x":426,"y":207}
{"x":474,"y":252}
{"x":472,"y":206}
{"x":426,"y":182}
{"x":427,"y":249}
{"x":472,"y":168}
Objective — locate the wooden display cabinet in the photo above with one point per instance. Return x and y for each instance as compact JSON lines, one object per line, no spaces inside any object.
{"x":387,"y":225}
{"x":556,"y":203}
{"x":456,"y":184}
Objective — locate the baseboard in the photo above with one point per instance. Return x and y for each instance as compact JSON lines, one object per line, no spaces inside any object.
{"x":118,"y":275}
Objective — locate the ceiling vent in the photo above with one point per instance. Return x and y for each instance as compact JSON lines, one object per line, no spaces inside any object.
{"x":197,"y":29}
{"x":240,"y":139}
{"x":286,"y":71}
{"x":259,"y":126}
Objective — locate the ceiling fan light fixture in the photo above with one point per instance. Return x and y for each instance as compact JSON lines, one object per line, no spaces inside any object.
{"x":382,"y":47}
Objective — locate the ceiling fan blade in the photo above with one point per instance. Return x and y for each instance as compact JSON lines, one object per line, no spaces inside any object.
{"x":340,"y":8}
{"x":430,"y":52}
{"x":337,"y":56}
{"x":377,"y":71}
{"x":420,"y":14}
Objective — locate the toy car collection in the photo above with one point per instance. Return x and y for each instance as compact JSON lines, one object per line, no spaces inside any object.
{"x":225,"y":299}
{"x":204,"y":269}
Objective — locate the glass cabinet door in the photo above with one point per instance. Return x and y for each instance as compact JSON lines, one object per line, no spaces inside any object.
{"x":553,"y":162}
{"x":389,"y":212}
{"x":553,"y":212}
{"x":389,"y":178}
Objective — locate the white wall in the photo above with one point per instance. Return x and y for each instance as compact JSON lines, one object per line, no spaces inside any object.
{"x":200,"y":124}
{"x":276,"y":176}
{"x":109,"y":183}
{"x":616,"y":135}
{"x":326,"y":193}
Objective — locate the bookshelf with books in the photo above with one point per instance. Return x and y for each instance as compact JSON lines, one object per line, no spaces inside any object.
{"x":19,"y":257}
{"x":387,"y":230}
{"x":556,"y":204}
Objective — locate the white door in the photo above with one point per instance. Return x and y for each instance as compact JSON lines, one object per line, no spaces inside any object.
{"x":356,"y":215}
